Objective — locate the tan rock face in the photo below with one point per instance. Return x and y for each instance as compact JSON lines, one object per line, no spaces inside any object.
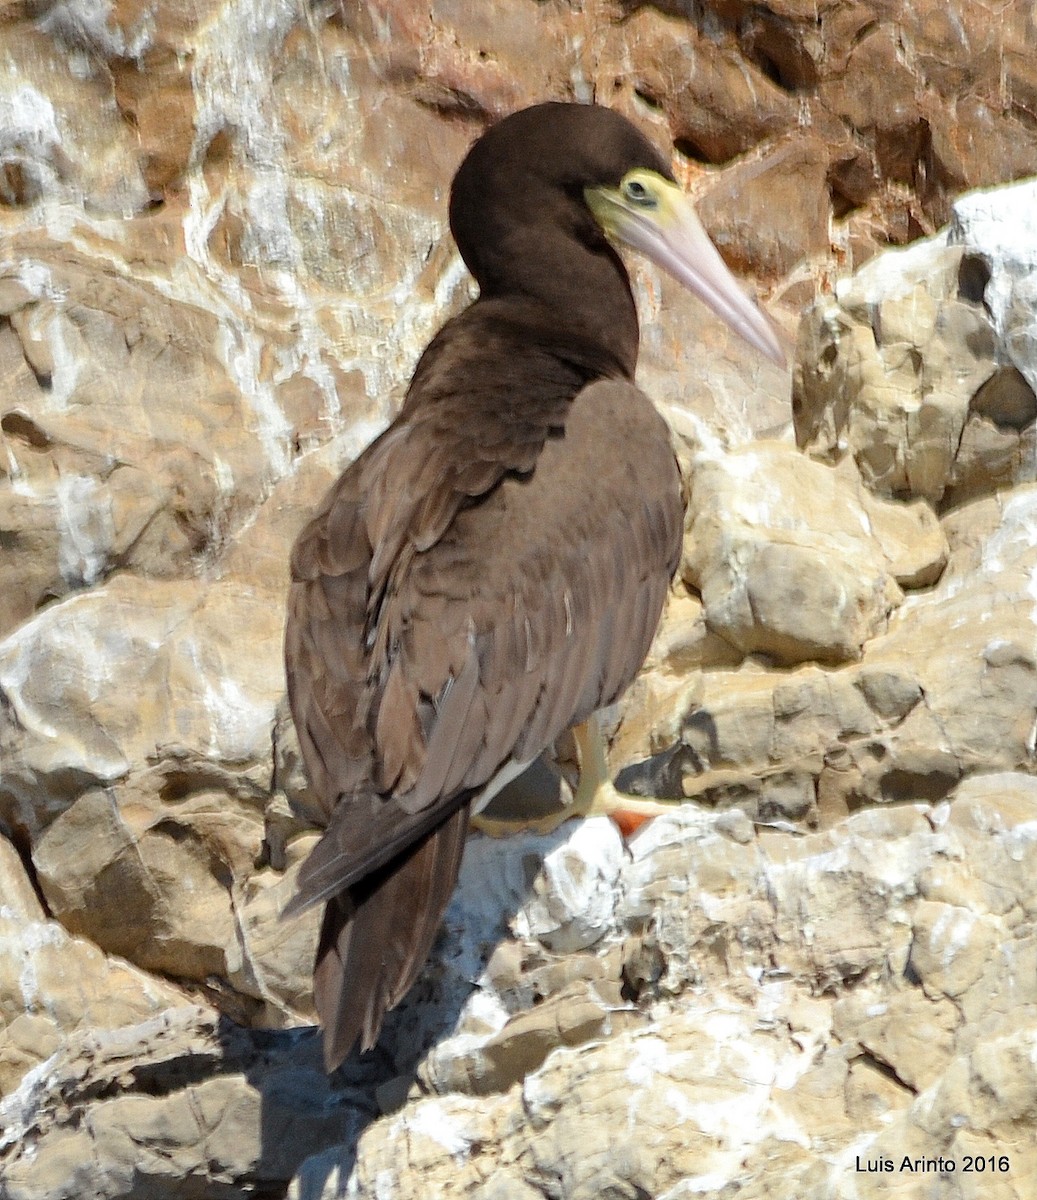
{"x":222,"y":248}
{"x":947,"y":688}
{"x":39,"y":1011}
{"x":793,"y":560}
{"x":127,"y":447}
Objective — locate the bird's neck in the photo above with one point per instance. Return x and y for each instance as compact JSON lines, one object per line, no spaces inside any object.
{"x":576,"y":298}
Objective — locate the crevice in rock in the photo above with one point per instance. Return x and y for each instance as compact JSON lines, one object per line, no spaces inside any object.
{"x":648,"y":99}
{"x":690,"y":149}
{"x":449,"y":101}
{"x":775,"y":48}
{"x":863,"y":32}
{"x":973,"y":276}
{"x":20,"y":840}
{"x":842,"y":205}
{"x":1006,"y":400}
{"x":644,"y":965}
{"x":872,"y":1062}
{"x":21,"y":426}
{"x":18,"y":187}
{"x":159,"y":1079}
{"x":904,"y":786}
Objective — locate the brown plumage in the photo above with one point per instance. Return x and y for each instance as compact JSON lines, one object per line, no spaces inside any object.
{"x":491,"y":569}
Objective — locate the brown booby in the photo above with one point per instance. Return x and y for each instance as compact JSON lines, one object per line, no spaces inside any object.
{"x":491,"y":569}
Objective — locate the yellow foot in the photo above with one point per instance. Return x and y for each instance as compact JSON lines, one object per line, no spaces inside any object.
{"x":595,"y":795}
{"x":537,"y":800}
{"x":628,"y":812}
{"x":500,"y":827}
{"x":596,"y":792}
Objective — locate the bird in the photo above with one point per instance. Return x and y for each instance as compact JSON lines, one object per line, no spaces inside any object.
{"x":491,"y":570}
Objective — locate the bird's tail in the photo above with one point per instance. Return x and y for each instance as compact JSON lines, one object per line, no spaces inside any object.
{"x":376,"y":936}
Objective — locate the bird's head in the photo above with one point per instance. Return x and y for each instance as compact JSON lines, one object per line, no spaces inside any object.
{"x":585,"y":172}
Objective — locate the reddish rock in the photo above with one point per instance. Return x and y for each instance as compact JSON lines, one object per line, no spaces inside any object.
{"x":769,"y":212}
{"x":155,"y":97}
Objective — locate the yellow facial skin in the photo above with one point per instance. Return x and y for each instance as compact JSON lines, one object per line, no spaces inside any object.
{"x":651,"y":214}
{"x":641,"y":192}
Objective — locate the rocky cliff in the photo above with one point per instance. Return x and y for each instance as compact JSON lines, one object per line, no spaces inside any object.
{"x":222,"y":247}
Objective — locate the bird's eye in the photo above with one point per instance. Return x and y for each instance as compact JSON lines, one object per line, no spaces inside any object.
{"x":638,"y":193}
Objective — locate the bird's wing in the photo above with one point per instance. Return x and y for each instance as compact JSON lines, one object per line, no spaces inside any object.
{"x":415,"y":681}
{"x":535,"y":607}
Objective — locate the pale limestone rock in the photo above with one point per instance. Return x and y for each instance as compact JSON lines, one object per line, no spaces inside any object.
{"x":19,"y":897}
{"x":53,"y":985}
{"x":177,"y":1105}
{"x":998,"y":227}
{"x":175,"y":889}
{"x":62,"y":136}
{"x":179,"y":896}
{"x":149,"y":476}
{"x":947,"y":689}
{"x":137,"y":751}
{"x":908,"y":1033}
{"x":138,"y":676}
{"x":571,"y":905}
{"x":784,"y":1031}
{"x":923,"y":368}
{"x":793,"y":560}
{"x":949,"y":947}
{"x":979,"y":1108}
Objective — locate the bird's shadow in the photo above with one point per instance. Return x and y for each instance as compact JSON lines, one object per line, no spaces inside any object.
{"x":662,"y":776}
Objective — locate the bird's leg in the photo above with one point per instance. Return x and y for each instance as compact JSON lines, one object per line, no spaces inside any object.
{"x":596,"y":793}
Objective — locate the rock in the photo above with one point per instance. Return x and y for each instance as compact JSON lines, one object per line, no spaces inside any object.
{"x":53,"y":985}
{"x":793,"y":561}
{"x":909,"y":1034}
{"x":174,"y":1105}
{"x":571,"y":903}
{"x":770,"y":210}
{"x":924,"y":366}
{"x":63,"y":137}
{"x":148,"y":477}
{"x":903,"y":723}
{"x":222,"y":247}
{"x":133,"y":675}
{"x":979,"y":227}
{"x":180,"y":895}
{"x":786,"y":993}
{"x":146,"y":801}
{"x":949,"y":947}
{"x":969,"y":1114}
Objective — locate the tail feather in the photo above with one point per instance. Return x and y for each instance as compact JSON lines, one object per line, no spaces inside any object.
{"x":376,"y":936}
